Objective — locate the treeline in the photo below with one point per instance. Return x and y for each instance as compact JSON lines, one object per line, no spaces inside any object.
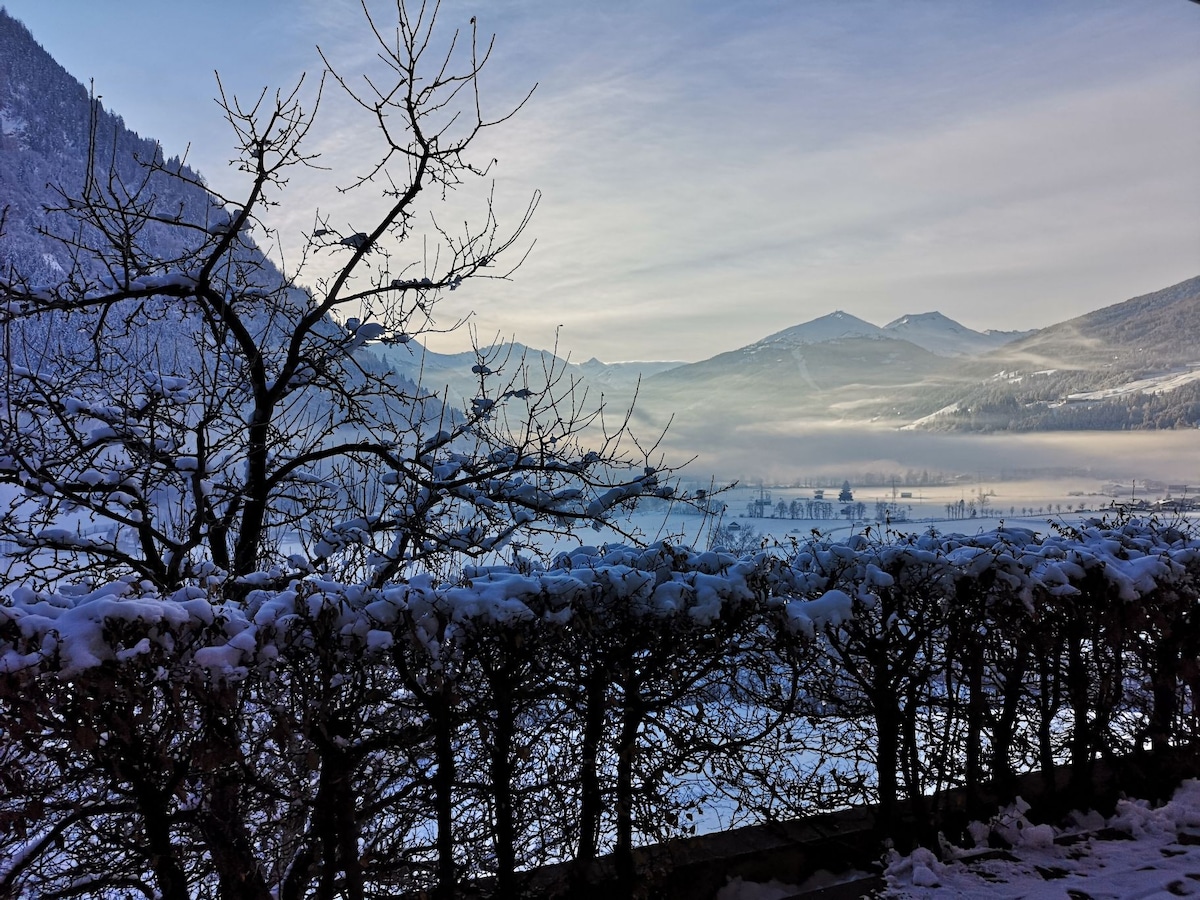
{"x":909,"y":478}
{"x":1179,"y":408}
{"x":856,"y":479}
{"x":335,"y":740}
{"x":991,"y":399}
{"x":980,"y":399}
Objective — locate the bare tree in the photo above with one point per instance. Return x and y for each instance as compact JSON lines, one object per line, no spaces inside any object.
{"x":179,"y":410}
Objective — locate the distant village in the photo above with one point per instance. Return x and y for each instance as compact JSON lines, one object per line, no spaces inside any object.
{"x":765,"y":506}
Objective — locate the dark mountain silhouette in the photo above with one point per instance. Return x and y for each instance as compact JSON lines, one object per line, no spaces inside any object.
{"x":49,"y":129}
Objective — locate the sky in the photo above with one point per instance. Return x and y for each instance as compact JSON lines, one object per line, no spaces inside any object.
{"x":714,"y":171}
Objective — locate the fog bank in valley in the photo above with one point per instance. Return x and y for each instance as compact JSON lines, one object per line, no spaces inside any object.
{"x":783,"y":452}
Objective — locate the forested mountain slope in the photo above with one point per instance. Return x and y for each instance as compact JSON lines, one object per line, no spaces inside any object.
{"x":1131,"y":365}
{"x":49,"y":128}
{"x":1151,"y":332}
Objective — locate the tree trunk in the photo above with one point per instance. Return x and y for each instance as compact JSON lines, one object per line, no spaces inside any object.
{"x":168,"y":872}
{"x":443,"y":790}
{"x":887,"y":755}
{"x":505,"y":836}
{"x":591,"y":800}
{"x":626,"y":751}
{"x":1166,"y":695}
{"x":1006,"y":723}
{"x":1077,"y":685}
{"x":1047,"y":688}
{"x":229,"y":847}
{"x":977,"y":704}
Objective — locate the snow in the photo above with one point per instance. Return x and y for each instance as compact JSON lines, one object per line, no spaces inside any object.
{"x":925,"y":420}
{"x":943,"y":336}
{"x":1157,"y":384}
{"x":809,"y":616}
{"x":821,"y":584}
{"x":932,"y":331}
{"x":11,"y":123}
{"x":1139,"y":852}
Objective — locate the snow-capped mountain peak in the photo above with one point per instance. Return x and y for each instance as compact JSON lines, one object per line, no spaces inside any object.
{"x":931,"y":331}
{"x":940,"y":334}
{"x":836,"y":326}
{"x":930,"y":320}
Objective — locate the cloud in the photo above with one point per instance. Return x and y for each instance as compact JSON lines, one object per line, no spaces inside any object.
{"x":675,"y":193}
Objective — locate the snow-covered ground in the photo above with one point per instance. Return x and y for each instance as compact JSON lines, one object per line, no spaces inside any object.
{"x":1033,"y":503}
{"x":1137,"y":854}
{"x":1158,"y":384}
{"x":1140,"y":853}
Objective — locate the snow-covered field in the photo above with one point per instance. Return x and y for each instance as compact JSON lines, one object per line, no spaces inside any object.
{"x":1037,"y":504}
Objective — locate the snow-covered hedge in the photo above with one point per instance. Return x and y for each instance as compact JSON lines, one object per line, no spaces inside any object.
{"x":65,"y":634}
{"x":401,"y":736}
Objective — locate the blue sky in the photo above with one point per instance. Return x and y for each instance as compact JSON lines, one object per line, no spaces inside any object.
{"x":713,"y":172}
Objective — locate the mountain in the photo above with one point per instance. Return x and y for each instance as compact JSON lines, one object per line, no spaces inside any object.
{"x":837,"y":326}
{"x":942,"y":335}
{"x":623,"y":375}
{"x":52,"y":133}
{"x":832,"y":368}
{"x":46,"y":136}
{"x":826,"y":368}
{"x":932,"y":331}
{"x":1154,"y":331}
{"x":462,"y":376}
{"x":1131,"y":365}
{"x":511,"y":366}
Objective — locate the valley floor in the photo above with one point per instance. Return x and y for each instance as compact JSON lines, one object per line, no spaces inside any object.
{"x":1035,"y":504}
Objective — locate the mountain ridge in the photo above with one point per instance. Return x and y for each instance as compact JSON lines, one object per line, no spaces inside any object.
{"x":942,"y":335}
{"x":49,"y":126}
{"x":1123,"y":366}
{"x":834,"y":326}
